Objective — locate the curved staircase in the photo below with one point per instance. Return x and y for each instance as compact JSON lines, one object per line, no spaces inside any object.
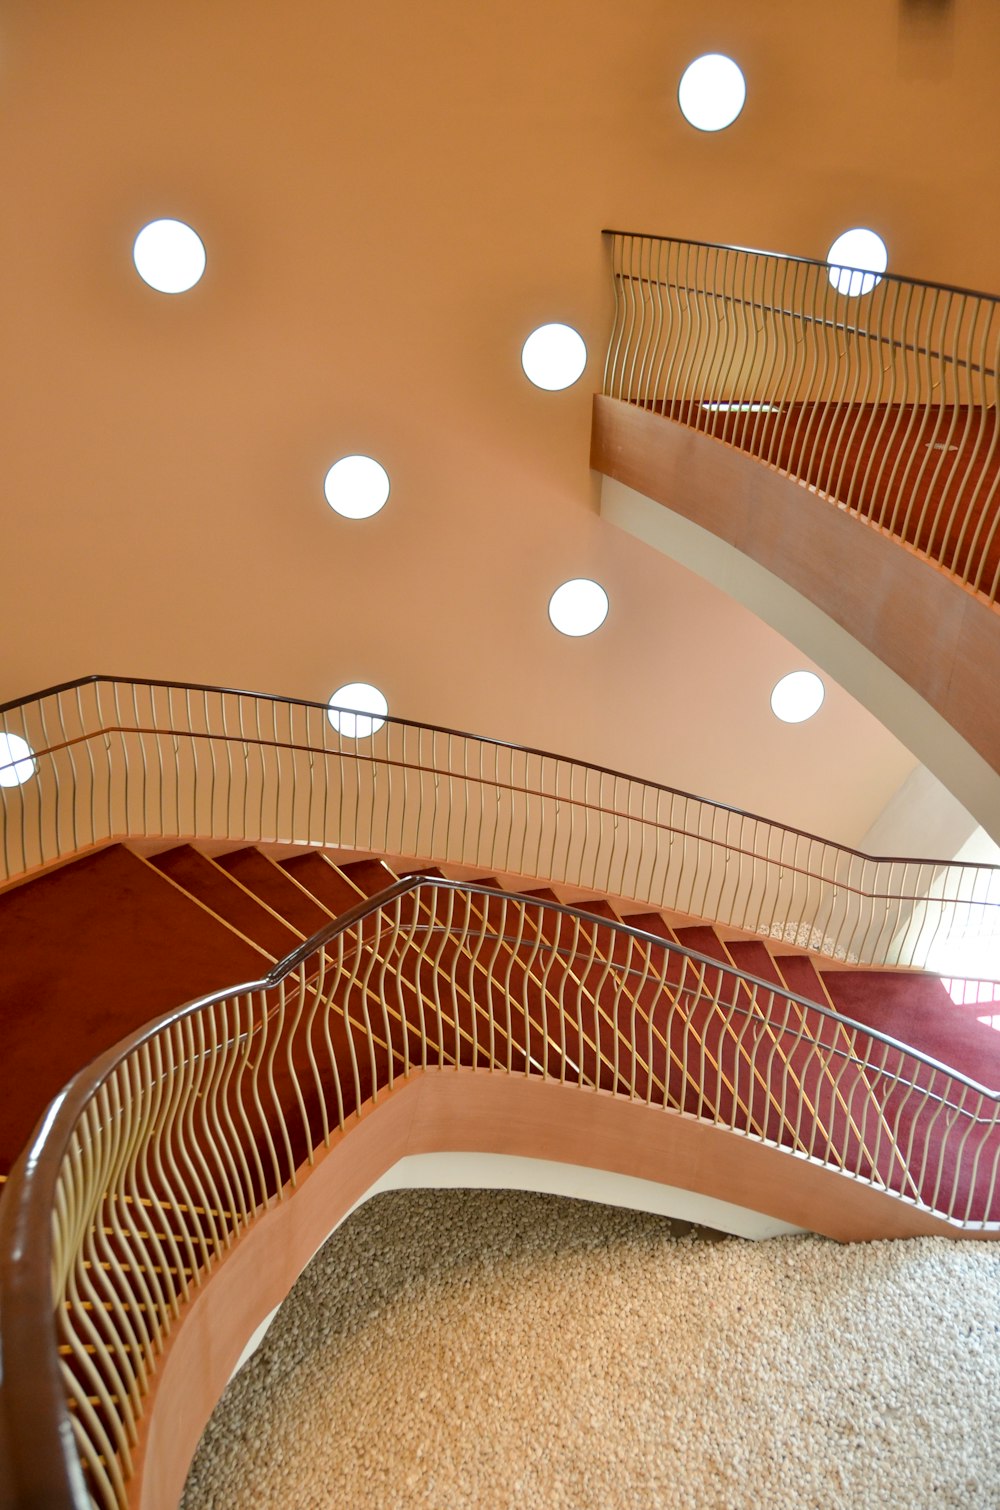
{"x":144,"y":931}
{"x":173,"y":1191}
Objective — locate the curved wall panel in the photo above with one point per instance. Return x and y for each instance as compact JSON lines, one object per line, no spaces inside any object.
{"x":849,"y":582}
{"x":471,"y":1111}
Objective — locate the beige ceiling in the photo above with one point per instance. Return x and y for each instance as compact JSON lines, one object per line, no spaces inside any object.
{"x":392,"y":195}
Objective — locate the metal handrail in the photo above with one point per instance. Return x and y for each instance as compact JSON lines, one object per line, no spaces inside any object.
{"x":121,"y":759}
{"x":45,"y":1198}
{"x":817,"y":262}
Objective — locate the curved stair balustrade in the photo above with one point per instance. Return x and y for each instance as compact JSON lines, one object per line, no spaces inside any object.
{"x":879,"y":392}
{"x":116,"y":758}
{"x":159,"y":1162}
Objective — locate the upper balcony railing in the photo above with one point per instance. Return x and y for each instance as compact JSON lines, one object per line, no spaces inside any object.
{"x":879,"y":392}
{"x":116,"y":759}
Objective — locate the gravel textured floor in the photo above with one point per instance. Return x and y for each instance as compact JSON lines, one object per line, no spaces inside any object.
{"x":486,"y":1349}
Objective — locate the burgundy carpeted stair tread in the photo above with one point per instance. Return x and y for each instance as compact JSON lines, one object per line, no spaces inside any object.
{"x":701,"y":939}
{"x":651,"y":922}
{"x":756,"y":959}
{"x":598,"y":908}
{"x":266,"y":879}
{"x":224,"y":896}
{"x":542,"y":894}
{"x":369,"y":876}
{"x":91,"y":952}
{"x":918,"y":1010}
{"x":328,"y":884}
{"x":802,"y":978}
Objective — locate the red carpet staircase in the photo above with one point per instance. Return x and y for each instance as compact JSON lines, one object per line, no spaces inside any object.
{"x":97,"y":948}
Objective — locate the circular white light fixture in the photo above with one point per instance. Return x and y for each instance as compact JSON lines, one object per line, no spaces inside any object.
{"x":797,"y":697}
{"x":368,"y":710}
{"x":17,"y":760}
{"x":857,"y":261}
{"x":712,"y":92}
{"x":356,"y":486}
{"x":553,"y":357}
{"x":169,"y":256}
{"x":578,"y":607}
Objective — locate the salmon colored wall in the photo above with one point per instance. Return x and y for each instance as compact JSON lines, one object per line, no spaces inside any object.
{"x":392,"y":196}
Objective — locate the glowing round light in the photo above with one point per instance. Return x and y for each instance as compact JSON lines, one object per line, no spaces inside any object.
{"x":17,"y":760}
{"x":857,"y":260}
{"x":553,"y":357}
{"x":797,"y":697}
{"x":578,"y":607}
{"x":169,"y":256}
{"x":356,"y":486}
{"x":368,"y":710}
{"x":712,"y":92}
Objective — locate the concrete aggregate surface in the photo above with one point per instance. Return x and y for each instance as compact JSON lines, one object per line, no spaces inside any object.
{"x":498,"y":1349}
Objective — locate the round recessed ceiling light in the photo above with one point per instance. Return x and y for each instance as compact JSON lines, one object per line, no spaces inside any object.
{"x":578,"y":607}
{"x":17,"y":760}
{"x":797,"y":697}
{"x":169,"y":256}
{"x":368,"y":709}
{"x":553,"y":357}
{"x":857,"y":260}
{"x":712,"y":92}
{"x":356,"y":486}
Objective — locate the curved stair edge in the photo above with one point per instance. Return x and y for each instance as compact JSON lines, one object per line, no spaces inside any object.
{"x":937,"y":637}
{"x":479,"y":1111}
